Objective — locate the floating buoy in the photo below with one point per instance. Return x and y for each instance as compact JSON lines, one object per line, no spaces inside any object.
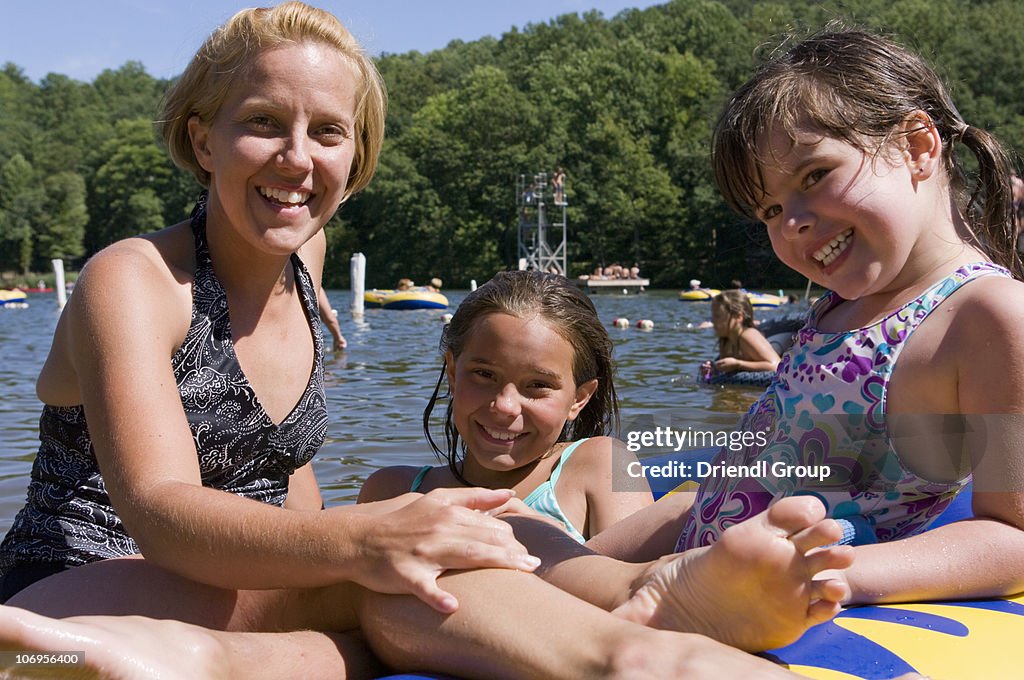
{"x":645,"y":324}
{"x":446,"y":318}
{"x":621,"y":323}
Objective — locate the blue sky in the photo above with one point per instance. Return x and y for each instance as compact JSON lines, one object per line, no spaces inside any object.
{"x":81,"y":38}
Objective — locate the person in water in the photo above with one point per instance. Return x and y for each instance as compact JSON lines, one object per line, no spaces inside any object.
{"x":741,"y":347}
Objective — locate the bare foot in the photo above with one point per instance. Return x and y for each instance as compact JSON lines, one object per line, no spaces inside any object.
{"x":114,"y":647}
{"x":754,"y":589}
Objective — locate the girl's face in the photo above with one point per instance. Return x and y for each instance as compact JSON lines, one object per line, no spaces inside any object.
{"x":724,"y":323}
{"x":844,"y":219}
{"x":280,"y":148}
{"x":513,"y":391}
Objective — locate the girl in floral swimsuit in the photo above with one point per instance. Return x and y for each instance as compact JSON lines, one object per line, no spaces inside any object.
{"x":845,"y":148}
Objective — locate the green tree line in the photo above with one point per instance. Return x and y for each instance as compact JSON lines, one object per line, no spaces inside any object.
{"x":625,"y":104}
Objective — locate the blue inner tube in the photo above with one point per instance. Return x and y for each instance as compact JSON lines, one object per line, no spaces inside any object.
{"x":751,"y":378}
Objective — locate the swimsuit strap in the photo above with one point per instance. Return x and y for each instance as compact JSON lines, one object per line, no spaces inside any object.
{"x":417,"y":482}
{"x":198,"y":224}
{"x":557,"y":472}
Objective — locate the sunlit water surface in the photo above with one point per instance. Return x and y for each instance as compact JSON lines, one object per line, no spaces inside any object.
{"x":378,"y":388}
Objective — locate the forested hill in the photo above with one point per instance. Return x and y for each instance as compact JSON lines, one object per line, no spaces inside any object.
{"x":624,"y":104}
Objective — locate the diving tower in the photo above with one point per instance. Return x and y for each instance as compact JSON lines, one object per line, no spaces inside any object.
{"x":541,"y":216}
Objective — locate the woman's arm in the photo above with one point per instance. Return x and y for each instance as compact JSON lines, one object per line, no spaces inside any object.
{"x":330,"y":319}
{"x":312,"y":254}
{"x":124,"y":326}
{"x":304,"y":490}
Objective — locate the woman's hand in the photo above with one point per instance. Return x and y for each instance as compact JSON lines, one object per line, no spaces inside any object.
{"x":407,"y":549}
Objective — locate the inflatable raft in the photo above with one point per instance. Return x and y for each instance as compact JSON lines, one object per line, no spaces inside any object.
{"x":765,"y":300}
{"x":698,"y":295}
{"x":404,"y":299}
{"x":962,"y":639}
{"x":13,"y":297}
{"x":756,"y":299}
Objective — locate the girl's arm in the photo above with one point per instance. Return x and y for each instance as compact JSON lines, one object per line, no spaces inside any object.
{"x":759,"y":353}
{"x":125,"y":322}
{"x":600,"y":469}
{"x":981,"y":556}
{"x":389,"y":482}
{"x":647,"y":534}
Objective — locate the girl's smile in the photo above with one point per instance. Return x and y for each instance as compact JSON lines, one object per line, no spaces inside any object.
{"x":844,"y":218}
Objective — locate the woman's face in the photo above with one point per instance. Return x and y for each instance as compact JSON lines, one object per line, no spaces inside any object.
{"x":279,"y":150}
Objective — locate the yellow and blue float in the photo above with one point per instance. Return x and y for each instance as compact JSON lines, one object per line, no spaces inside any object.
{"x":698,"y":294}
{"x":12,"y":297}
{"x":765,"y":299}
{"x":707,"y":294}
{"x":416,"y":298}
{"x":961,"y":639}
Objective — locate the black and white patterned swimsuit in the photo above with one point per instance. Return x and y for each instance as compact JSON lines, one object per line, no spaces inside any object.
{"x":68,"y":519}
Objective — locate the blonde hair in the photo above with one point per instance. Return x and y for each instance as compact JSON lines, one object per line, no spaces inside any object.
{"x":202,"y":88}
{"x":736,"y":303}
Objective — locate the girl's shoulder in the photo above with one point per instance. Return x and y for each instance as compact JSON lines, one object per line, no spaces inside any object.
{"x":987,"y":338}
{"x":389,"y":482}
{"x":751,"y":332}
{"x":997,"y":302}
{"x":595,"y":460}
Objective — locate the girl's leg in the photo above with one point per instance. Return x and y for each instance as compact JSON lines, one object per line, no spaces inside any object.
{"x":513,"y":625}
{"x":507,"y":615}
{"x":754,"y":589}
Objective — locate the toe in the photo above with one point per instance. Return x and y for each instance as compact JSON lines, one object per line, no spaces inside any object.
{"x":795,"y":513}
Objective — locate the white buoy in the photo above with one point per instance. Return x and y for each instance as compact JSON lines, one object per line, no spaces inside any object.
{"x":645,"y":324}
{"x":472,"y":284}
{"x":446,"y":318}
{"x":357,"y":270}
{"x":621,"y":323}
{"x":58,"y":285}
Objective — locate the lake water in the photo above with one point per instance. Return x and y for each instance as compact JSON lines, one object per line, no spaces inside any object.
{"x":377,"y":389}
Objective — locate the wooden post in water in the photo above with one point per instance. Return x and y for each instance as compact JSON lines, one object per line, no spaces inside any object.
{"x":58,"y":272}
{"x":357,"y":269}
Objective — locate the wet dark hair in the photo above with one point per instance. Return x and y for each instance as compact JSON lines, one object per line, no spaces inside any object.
{"x":860,"y":88}
{"x":553,"y":299}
